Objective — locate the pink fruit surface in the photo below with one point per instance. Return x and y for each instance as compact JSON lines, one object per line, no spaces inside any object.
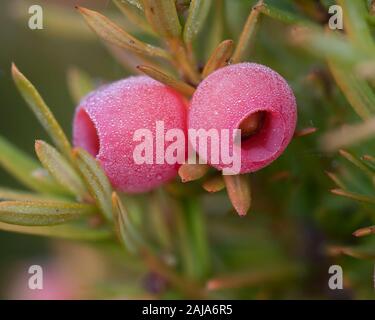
{"x":230,"y":95}
{"x":106,"y":120}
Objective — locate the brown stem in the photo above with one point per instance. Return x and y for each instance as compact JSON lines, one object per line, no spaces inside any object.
{"x":183,"y":61}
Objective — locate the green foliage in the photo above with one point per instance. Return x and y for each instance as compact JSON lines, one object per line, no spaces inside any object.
{"x":42,"y":213}
{"x":190,"y":238}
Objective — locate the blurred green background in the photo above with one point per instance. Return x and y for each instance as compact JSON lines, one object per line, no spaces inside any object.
{"x":282,"y":249}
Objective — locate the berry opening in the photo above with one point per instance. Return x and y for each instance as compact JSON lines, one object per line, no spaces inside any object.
{"x":86,"y":135}
{"x":262,"y":135}
{"x":251,"y":124}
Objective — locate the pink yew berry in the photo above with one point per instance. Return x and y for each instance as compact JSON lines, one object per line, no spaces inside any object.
{"x":255,"y":99}
{"x":105,"y":123}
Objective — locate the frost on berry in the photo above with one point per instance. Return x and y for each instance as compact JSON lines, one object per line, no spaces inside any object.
{"x":107,"y":118}
{"x":250,"y":97}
